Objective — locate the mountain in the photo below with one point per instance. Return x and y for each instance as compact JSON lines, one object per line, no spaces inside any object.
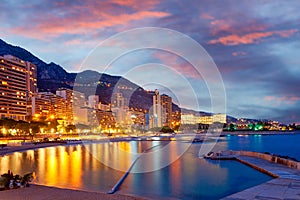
{"x":51,"y":76}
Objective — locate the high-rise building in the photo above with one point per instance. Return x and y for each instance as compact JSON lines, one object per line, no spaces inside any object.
{"x":74,"y":100}
{"x":166,"y":102}
{"x":17,"y":85}
{"x":46,"y":105}
{"x":157,"y":116}
{"x":93,"y":101}
{"x":162,"y":110}
{"x":119,"y":101}
{"x":120,"y":110}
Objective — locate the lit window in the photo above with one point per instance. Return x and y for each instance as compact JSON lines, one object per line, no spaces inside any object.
{"x":4,"y":83}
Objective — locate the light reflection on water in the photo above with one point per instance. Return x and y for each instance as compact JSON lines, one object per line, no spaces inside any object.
{"x":78,"y":167}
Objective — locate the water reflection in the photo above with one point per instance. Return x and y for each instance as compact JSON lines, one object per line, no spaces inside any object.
{"x":278,"y":144}
{"x":78,"y":167}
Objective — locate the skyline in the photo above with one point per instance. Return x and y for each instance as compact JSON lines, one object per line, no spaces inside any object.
{"x":253,"y":44}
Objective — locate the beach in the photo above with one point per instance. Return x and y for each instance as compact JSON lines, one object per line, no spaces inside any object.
{"x":39,"y":192}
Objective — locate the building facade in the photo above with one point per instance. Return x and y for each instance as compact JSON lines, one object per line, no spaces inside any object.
{"x":161,"y":114}
{"x":17,"y":86}
{"x":166,"y":102}
{"x":47,"y":106}
{"x":210,"y":119}
{"x":74,"y":102}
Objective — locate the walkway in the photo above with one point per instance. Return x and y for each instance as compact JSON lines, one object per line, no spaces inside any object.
{"x":285,"y":187}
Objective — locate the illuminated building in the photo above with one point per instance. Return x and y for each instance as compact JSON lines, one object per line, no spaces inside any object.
{"x":104,"y":107}
{"x":17,"y":86}
{"x":157,"y":116}
{"x":41,"y":106}
{"x":106,"y":119}
{"x":46,"y":105}
{"x":176,"y":119}
{"x":120,"y":110}
{"x":190,"y":119}
{"x":210,"y":119}
{"x":118,"y":100}
{"x":138,"y":117}
{"x":221,"y":118}
{"x":74,"y":101}
{"x":162,"y":110}
{"x":166,"y":103}
{"x":93,"y":101}
{"x":58,"y":106}
{"x":122,"y":116}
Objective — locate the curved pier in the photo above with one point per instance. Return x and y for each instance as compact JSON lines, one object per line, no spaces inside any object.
{"x":121,"y":180}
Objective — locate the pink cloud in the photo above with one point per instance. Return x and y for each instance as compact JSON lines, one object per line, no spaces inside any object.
{"x":87,"y":18}
{"x":230,"y":26}
{"x":219,"y":26}
{"x":286,"y":33}
{"x":290,"y":100}
{"x":57,"y":27}
{"x":250,"y":38}
{"x":206,"y":16}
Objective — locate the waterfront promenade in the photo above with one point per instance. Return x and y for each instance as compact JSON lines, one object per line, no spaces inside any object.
{"x":285,"y":186}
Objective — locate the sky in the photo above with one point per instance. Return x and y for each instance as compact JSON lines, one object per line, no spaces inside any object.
{"x":254,"y":45}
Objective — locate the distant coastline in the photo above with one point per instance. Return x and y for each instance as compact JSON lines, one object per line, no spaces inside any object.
{"x":240,"y":132}
{"x":32,"y":146}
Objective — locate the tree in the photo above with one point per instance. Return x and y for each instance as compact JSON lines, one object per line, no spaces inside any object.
{"x":166,"y":129}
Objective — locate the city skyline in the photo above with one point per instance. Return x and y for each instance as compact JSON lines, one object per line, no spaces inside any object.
{"x":254,"y":47}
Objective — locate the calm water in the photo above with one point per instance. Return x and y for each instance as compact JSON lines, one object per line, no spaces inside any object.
{"x":277,"y":144}
{"x":188,"y":177}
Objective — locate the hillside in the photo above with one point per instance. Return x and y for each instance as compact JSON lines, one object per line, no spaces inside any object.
{"x":51,"y":76}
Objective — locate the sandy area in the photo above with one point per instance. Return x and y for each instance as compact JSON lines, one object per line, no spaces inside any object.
{"x":38,"y":192}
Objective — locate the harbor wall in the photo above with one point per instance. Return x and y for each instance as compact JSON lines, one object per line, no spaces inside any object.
{"x":271,"y":158}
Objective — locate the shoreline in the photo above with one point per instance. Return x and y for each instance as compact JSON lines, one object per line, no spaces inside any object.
{"x":31,"y":146}
{"x":12,"y":149}
{"x":240,"y":132}
{"x":40,"y":192}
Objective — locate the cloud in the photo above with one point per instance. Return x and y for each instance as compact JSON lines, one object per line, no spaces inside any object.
{"x":239,"y":53}
{"x":290,"y":100}
{"x":206,"y":16}
{"x":58,"y":26}
{"x":250,"y":38}
{"x":265,"y":74}
{"x":232,"y":26}
{"x":56,"y":18}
